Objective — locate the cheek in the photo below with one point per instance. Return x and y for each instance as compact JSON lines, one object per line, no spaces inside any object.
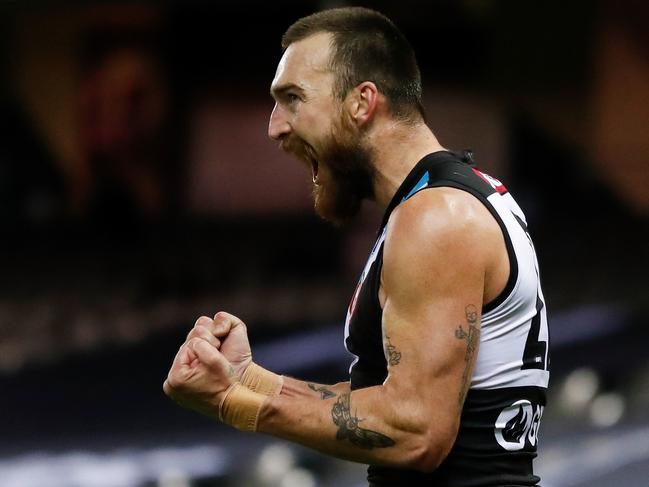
{"x":313,"y":123}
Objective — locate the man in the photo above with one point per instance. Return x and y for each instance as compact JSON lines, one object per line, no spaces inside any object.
{"x":448,"y":321}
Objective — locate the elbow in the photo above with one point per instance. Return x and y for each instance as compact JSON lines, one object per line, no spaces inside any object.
{"x":426,"y":460}
{"x":429,"y":452}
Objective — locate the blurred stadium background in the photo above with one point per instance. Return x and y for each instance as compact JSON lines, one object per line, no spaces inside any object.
{"x":138,"y":191}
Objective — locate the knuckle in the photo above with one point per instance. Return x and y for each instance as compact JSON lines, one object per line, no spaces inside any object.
{"x":204,"y":320}
{"x":200,"y":322}
{"x":173,"y":382}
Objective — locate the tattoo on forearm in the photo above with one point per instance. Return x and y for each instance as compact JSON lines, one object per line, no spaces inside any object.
{"x":472,"y":337}
{"x":348,"y":428}
{"x":324,"y":392}
{"x":393,"y":355}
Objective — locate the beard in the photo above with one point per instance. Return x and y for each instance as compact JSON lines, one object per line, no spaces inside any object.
{"x":343,"y":171}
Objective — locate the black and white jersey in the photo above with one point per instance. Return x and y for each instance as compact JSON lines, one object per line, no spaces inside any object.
{"x":497,"y":439}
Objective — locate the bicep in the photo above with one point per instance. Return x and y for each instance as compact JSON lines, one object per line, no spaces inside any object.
{"x":433,"y":286}
{"x":431,"y":354}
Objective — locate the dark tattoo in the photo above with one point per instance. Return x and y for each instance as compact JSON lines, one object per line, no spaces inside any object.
{"x":472,"y":338}
{"x":324,"y":392}
{"x":394,"y":355}
{"x":348,"y":428}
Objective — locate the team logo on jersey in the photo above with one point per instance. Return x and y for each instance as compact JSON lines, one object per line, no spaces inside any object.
{"x":518,"y":425}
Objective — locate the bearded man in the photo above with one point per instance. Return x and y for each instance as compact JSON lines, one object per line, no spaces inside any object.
{"x":447,"y":324}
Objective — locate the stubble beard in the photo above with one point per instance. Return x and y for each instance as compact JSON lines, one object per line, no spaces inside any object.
{"x":349,"y":169}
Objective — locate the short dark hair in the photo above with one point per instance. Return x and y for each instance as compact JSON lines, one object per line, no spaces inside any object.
{"x":367,"y":46}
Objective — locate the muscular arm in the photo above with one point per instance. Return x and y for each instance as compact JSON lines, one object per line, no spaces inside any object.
{"x":437,"y":252}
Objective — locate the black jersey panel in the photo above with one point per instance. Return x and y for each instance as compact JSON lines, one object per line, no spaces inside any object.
{"x":477,"y":458}
{"x":367,"y":341}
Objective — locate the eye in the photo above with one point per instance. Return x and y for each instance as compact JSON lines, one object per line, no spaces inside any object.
{"x":292,"y":98}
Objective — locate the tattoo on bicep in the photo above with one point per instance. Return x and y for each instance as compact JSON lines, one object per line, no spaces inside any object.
{"x":472,"y":337}
{"x":324,"y":392}
{"x":392,"y":354}
{"x":349,"y":429}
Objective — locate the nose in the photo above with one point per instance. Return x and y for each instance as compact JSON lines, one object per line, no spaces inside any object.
{"x":278,"y":125}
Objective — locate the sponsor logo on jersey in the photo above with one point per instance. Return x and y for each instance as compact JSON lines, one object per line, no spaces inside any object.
{"x":517,"y":425}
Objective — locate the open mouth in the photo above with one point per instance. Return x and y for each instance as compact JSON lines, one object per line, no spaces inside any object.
{"x":303,"y":152}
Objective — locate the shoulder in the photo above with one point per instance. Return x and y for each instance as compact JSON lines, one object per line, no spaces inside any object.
{"x":440,"y":231}
{"x":441,"y":216}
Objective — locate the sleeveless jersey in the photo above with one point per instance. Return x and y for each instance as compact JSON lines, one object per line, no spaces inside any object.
{"x":497,"y":438}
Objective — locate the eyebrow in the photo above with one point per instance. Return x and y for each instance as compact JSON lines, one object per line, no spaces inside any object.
{"x":282,"y":89}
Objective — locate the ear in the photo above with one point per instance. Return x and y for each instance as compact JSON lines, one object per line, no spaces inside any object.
{"x":363,"y":102}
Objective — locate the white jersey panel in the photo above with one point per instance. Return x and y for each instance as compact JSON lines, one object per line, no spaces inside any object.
{"x":505,"y":330}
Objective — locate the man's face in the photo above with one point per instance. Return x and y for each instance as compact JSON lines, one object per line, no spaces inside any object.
{"x":313,"y":125}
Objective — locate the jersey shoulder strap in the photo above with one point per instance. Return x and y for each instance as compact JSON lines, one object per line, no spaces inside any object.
{"x":445,"y":169}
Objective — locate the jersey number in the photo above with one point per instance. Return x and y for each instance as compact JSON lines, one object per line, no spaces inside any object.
{"x":535,"y":355}
{"x":535,"y":349}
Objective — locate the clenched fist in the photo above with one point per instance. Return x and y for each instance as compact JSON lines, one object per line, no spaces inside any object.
{"x":214,"y":356}
{"x":199,"y":377}
{"x":227,"y":333}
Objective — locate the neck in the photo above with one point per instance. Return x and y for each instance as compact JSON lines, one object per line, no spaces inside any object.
{"x":397,"y":148}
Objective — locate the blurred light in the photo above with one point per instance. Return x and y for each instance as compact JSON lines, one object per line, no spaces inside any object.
{"x":119,"y":468}
{"x":583,"y":459}
{"x":274,"y":462}
{"x":298,"y":477}
{"x":174,"y":478}
{"x":579,"y":388}
{"x":607,"y":409}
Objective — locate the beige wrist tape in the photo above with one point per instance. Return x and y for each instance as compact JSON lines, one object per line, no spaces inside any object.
{"x":263,"y":381}
{"x":240,"y":407}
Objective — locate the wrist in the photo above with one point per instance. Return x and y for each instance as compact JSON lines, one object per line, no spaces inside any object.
{"x":262,"y":381}
{"x":240,"y":407}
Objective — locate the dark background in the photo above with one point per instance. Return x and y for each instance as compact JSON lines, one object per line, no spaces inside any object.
{"x":138,"y":191}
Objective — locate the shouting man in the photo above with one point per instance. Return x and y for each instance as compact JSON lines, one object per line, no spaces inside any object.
{"x":448,"y":322}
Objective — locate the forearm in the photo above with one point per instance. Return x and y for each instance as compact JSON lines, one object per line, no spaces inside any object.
{"x":298,"y":388}
{"x":366,"y":425}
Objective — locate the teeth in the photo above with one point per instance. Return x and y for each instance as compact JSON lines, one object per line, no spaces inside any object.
{"x":314,"y":169}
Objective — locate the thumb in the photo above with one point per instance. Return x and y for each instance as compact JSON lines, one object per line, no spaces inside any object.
{"x":208,"y":354}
